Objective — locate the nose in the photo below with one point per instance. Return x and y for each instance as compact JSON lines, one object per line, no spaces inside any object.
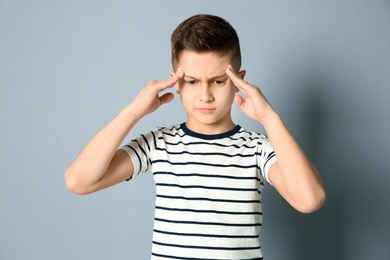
{"x":205,"y":93}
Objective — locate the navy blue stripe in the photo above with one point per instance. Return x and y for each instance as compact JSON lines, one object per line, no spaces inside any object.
{"x":270,"y":156}
{"x":206,"y":164}
{"x":208,"y":144}
{"x":208,"y":247}
{"x":162,"y":129}
{"x":239,"y":138}
{"x":205,"y":187}
{"x":154,"y":140}
{"x":207,"y":154}
{"x":208,"y":223}
{"x":146,"y":142}
{"x":142,"y":150}
{"x":207,"y":176}
{"x":207,"y":199}
{"x":256,"y":138}
{"x":203,"y":235}
{"x":173,"y":135}
{"x":209,"y":211}
{"x":191,"y":258}
{"x":178,"y":257}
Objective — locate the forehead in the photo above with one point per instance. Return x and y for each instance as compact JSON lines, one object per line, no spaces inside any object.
{"x":203,"y":64}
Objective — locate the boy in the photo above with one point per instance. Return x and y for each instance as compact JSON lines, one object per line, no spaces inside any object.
{"x":209,"y":172}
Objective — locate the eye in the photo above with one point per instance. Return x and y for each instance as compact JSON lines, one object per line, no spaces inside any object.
{"x":219,"y":82}
{"x":191,"y":82}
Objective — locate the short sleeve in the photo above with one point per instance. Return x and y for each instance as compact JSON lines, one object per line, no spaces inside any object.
{"x":268,"y":157}
{"x":139,"y":151}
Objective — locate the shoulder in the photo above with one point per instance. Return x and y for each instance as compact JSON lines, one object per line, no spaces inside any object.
{"x":160,"y":130}
{"x":168,"y":129}
{"x":163,"y":133}
{"x":250,"y":136}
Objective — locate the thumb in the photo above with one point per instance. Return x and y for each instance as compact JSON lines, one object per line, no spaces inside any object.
{"x":239,"y":101}
{"x":166,"y":98}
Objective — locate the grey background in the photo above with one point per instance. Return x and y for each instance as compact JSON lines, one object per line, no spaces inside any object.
{"x":68,"y":67}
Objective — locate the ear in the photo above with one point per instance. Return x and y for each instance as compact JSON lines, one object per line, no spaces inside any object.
{"x":241,"y":74}
{"x":176,"y":86}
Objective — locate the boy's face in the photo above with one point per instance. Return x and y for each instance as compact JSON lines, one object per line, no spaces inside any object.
{"x":206,"y":92}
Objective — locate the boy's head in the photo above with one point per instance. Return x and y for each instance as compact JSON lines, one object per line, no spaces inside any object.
{"x":206,"y":33}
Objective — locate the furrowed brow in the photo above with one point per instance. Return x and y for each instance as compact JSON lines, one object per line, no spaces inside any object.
{"x":212,"y":78}
{"x":219,"y":76}
{"x":189,"y":77}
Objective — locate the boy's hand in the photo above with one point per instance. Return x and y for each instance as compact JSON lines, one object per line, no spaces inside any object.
{"x":255,"y":105}
{"x":149,"y":99}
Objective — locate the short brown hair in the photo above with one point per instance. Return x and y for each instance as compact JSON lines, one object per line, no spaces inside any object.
{"x":204,"y":33}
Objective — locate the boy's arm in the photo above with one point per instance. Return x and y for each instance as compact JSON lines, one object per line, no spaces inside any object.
{"x":101,"y":164}
{"x":293,"y":175}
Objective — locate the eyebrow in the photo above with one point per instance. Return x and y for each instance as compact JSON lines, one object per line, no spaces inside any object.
{"x":213,"y":77}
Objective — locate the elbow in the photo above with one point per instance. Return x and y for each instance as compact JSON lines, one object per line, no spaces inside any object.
{"x":73,"y":184}
{"x":313,"y":203}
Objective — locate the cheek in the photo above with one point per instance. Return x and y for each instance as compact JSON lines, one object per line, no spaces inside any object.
{"x":233,"y":87}
{"x":228,"y":93}
{"x":186,"y":95}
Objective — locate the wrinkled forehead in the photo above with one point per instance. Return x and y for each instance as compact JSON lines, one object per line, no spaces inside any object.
{"x":206,"y":64}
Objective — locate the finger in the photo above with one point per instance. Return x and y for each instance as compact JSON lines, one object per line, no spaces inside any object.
{"x":237,"y":81}
{"x":169,"y":83}
{"x":246,"y":88}
{"x":239,"y":100}
{"x":166,"y":98}
{"x":179,"y":73}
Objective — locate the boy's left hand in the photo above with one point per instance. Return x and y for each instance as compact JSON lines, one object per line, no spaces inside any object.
{"x":254,"y":105}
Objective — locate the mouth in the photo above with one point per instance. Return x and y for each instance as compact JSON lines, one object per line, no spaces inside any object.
{"x":206,"y":110}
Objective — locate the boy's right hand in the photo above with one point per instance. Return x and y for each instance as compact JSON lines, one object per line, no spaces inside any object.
{"x":95,"y":168}
{"x":149,"y":99}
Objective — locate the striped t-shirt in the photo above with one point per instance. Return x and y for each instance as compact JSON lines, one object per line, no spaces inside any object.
{"x":208,"y":191}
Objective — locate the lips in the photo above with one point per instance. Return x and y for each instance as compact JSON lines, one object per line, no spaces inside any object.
{"x":206,"y":110}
